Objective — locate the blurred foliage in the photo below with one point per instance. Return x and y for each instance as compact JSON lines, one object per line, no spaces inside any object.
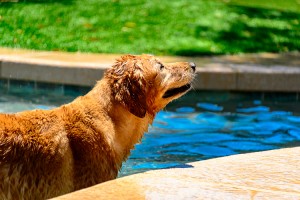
{"x":179,"y":27}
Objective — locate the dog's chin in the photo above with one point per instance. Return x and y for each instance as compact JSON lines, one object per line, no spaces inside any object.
{"x":174,"y":92}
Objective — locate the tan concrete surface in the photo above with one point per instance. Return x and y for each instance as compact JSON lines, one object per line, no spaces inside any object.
{"x":215,"y":76}
{"x":250,"y":72}
{"x":265,"y":175}
{"x":66,"y":58}
{"x":51,"y":73}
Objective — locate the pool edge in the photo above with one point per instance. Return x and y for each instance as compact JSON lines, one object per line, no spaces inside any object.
{"x":270,"y":174}
{"x":249,"y":72}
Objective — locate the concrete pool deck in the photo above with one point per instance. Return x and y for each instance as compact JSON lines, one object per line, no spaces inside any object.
{"x":264,"y":175}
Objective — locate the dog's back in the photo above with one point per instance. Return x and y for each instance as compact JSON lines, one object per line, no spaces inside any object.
{"x":45,"y":154}
{"x":32,"y":157}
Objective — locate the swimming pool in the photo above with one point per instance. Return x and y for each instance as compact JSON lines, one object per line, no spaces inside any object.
{"x":201,"y":125}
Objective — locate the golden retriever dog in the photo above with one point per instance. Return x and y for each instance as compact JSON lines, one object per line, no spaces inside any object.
{"x":47,"y":153}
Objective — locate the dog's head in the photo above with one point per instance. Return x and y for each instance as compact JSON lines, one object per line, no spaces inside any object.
{"x":144,"y":84}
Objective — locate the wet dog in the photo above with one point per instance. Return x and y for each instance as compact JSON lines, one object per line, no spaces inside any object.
{"x":46,"y":153}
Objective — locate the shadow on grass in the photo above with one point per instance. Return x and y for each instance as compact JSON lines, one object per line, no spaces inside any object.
{"x":255,"y":28}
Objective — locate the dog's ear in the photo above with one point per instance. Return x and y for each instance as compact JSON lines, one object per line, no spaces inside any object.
{"x":128,"y":84}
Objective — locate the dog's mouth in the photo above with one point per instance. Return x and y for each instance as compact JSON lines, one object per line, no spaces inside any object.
{"x":175,"y":91}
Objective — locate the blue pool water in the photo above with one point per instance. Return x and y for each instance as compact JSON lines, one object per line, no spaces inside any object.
{"x":201,"y":125}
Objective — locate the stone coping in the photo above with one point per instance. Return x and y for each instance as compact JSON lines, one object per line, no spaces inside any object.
{"x":250,"y":72}
{"x":263,"y":175}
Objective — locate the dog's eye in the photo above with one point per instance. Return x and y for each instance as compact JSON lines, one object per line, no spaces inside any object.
{"x":161,"y":67}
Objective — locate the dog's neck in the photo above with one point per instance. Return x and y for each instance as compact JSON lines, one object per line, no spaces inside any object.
{"x":124,"y":129}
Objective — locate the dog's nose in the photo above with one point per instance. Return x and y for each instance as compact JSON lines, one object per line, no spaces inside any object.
{"x":193,"y":66}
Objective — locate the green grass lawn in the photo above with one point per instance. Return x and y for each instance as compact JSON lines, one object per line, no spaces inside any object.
{"x":177,"y":27}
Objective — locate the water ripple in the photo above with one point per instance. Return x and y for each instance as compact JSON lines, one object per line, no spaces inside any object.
{"x":209,"y":130}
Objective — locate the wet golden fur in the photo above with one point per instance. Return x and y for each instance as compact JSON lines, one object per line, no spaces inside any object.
{"x":46,"y":153}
